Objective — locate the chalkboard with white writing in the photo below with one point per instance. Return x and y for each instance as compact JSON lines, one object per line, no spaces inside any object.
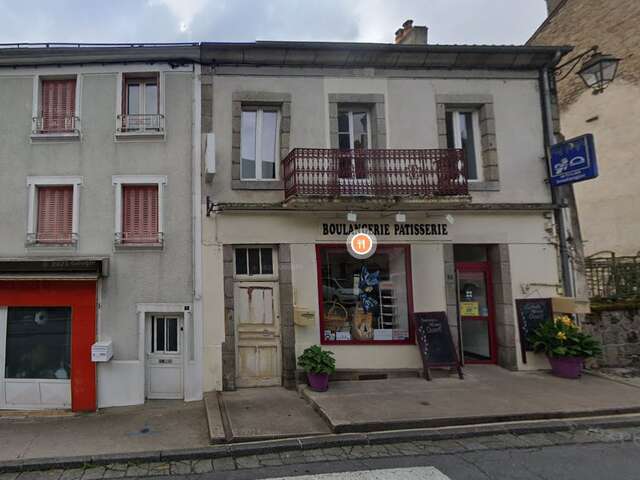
{"x":435,"y":342}
{"x":531,"y":313}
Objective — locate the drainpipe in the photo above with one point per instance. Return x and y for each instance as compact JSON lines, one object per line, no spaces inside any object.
{"x":196,"y":222}
{"x":556,"y":195}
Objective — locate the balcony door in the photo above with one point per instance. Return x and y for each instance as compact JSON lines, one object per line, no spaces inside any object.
{"x":354,"y":139}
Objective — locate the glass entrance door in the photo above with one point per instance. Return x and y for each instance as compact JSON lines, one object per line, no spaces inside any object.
{"x":475,"y":306}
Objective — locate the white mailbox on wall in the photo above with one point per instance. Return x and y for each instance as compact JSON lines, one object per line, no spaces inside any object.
{"x":102,"y":351}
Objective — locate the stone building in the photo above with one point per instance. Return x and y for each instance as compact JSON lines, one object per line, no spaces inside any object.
{"x":438,"y":150}
{"x":187,"y":207}
{"x":608,"y":206}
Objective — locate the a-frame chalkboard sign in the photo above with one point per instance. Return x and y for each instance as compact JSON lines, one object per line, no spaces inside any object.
{"x":435,"y":342}
{"x":531,"y":313}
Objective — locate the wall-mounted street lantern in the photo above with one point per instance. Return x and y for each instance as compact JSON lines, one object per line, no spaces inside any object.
{"x":597,"y":70}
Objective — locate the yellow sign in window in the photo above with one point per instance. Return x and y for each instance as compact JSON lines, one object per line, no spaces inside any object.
{"x":469,"y":309}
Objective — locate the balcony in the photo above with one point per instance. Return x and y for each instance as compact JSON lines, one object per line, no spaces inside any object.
{"x":148,"y":124}
{"x":390,"y":173}
{"x":55,"y":126}
{"x":139,"y":239}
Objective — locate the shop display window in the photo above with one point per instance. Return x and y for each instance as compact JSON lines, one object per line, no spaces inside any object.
{"x":38,"y":344}
{"x":364,"y":300}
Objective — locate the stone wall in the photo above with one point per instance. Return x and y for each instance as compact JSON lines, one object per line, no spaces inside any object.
{"x":613,"y":25}
{"x":619,"y":333}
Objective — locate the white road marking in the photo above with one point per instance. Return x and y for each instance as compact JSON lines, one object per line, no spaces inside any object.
{"x":413,"y":473}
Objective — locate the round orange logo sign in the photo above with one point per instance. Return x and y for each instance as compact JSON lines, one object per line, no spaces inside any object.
{"x":361,"y":244}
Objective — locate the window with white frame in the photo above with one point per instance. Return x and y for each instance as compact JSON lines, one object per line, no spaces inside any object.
{"x":254,"y":261}
{"x":53,"y":210}
{"x":140,"y":104}
{"x":138,"y":210}
{"x":354,"y":133}
{"x":56,"y":105}
{"x":259,"y":143}
{"x":463,"y":131}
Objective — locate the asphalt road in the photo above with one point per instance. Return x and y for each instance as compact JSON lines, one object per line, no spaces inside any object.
{"x":619,"y":461}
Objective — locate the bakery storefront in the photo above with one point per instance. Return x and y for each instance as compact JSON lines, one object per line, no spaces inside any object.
{"x":297,"y":284}
{"x":47,"y":327}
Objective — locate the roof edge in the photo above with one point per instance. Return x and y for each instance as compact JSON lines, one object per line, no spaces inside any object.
{"x":286,"y":53}
{"x":546,"y":21}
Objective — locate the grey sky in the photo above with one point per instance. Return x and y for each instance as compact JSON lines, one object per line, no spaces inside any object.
{"x":449,"y":21}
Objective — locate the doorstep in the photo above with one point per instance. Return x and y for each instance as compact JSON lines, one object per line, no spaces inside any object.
{"x":488,"y":394}
{"x":266,"y":413}
{"x":51,"y":413}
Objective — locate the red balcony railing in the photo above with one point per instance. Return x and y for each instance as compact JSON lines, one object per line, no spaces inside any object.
{"x":319,"y":172}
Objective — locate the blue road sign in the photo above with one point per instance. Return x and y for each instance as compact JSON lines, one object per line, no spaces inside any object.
{"x":573,"y":161}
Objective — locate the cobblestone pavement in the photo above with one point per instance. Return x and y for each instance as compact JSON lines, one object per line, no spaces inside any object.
{"x":346,"y":453}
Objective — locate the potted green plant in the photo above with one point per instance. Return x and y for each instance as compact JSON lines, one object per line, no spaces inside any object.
{"x":565,"y":345}
{"x":318,"y":365}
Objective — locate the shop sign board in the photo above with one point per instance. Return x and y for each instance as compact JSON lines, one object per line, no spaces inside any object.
{"x":573,"y":161}
{"x":531,"y":312}
{"x":435,"y":342}
{"x":388,"y":229}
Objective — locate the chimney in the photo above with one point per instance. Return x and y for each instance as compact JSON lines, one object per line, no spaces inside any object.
{"x":552,"y":5}
{"x":412,"y":35}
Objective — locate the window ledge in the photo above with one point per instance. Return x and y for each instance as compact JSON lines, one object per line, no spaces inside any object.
{"x":65,"y":247}
{"x":55,"y":137}
{"x":121,"y":247}
{"x":487,"y":186}
{"x":135,"y":136}
{"x":256,"y":278}
{"x":32,"y":242}
{"x":257,"y":185}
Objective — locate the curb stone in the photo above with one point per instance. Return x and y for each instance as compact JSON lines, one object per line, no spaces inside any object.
{"x":295,"y":445}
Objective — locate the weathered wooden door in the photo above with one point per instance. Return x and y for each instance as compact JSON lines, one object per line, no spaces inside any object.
{"x":257,"y":321}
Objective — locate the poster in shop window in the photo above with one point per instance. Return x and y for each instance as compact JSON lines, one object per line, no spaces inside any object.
{"x":435,"y":342}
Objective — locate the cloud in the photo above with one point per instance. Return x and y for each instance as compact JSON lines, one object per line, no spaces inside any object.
{"x":184,"y":11}
{"x":449,"y":21}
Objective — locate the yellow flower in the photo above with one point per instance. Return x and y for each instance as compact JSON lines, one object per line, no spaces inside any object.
{"x":566,"y":321}
{"x":561,"y":336}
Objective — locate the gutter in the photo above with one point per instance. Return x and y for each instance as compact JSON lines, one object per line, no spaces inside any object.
{"x":196,"y":222}
{"x":556,"y":197}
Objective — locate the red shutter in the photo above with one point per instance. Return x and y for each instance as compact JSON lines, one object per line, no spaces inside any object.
{"x":140,"y":214}
{"x":55,"y":214}
{"x":58,"y":105}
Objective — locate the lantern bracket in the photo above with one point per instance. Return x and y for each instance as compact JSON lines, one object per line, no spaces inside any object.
{"x":573,"y":62}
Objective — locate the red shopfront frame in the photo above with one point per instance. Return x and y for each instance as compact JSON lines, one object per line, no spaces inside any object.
{"x":409,"y":278}
{"x":485,"y":268}
{"x":80,"y":295}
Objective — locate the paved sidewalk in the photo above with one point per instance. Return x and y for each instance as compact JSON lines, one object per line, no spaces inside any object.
{"x":325,"y":456}
{"x":487,"y":394}
{"x":157,"y":425}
